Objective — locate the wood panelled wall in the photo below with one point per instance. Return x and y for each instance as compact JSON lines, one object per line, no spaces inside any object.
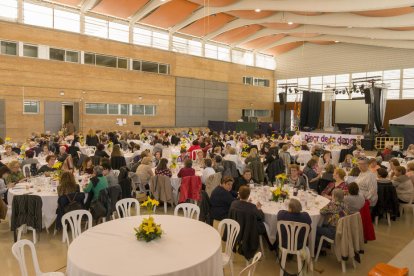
{"x":44,"y":80}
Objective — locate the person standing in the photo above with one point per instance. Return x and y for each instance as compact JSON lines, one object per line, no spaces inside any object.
{"x":367,"y":182}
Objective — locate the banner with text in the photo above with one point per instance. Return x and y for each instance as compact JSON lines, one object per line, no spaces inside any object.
{"x":323,"y":138}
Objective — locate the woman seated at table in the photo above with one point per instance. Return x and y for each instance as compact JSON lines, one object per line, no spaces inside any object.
{"x":232,"y":156}
{"x":4,"y":173}
{"x":393,"y":164}
{"x":253,"y":156}
{"x":200,"y":159}
{"x":97,"y":183}
{"x":195,"y":146}
{"x":183,"y":155}
{"x":92,"y":139}
{"x":410,"y":152}
{"x":402,"y":184}
{"x":117,"y":158}
{"x":162,"y":168}
{"x":16,"y":173}
{"x":100,"y":151}
{"x":410,"y":171}
{"x":144,"y":170}
{"x":187,"y":170}
{"x":347,"y":163}
{"x":332,"y":212}
{"x":29,"y":160}
{"x":285,"y":156}
{"x":338,"y":175}
{"x":354,"y":201}
{"x":9,"y":153}
{"x":221,"y":199}
{"x":373,"y":165}
{"x":295,"y":214}
{"x":67,"y":184}
{"x":325,"y":160}
{"x":295,"y":179}
{"x":218,"y":164}
{"x":382,"y":177}
{"x":156,"y":158}
{"x":87,"y":166}
{"x":311,"y":171}
{"x":50,"y":159}
{"x":353,"y":174}
{"x":67,"y":165}
{"x":45,"y":152}
{"x":328,"y":173}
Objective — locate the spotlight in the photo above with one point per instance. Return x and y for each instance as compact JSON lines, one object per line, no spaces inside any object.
{"x":336,"y":92}
{"x":257,"y":10}
{"x":354,"y":87}
{"x":362,"y":87}
{"x":343,"y":91}
{"x":296,"y":90}
{"x":290,"y":90}
{"x":357,"y":90}
{"x":290,"y":23}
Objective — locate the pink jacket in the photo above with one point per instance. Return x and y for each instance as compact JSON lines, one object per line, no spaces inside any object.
{"x":190,"y":188}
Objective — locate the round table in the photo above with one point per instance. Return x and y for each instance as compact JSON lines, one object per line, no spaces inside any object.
{"x":272,"y":208}
{"x":187,"y":247}
{"x":49,"y":201}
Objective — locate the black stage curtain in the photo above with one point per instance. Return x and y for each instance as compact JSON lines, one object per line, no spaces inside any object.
{"x":377,"y":105}
{"x":408,"y":136}
{"x":310,"y":109}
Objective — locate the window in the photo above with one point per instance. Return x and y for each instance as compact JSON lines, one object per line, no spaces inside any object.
{"x":123,"y":63}
{"x":37,"y":15}
{"x":392,"y":79}
{"x":124,"y":109}
{"x":113,"y":109}
{"x":138,"y":109}
{"x":8,"y":9}
{"x":149,"y":66}
{"x":96,"y":27}
{"x":30,"y":51}
{"x":72,"y":56}
{"x":31,"y":107}
{"x":248,"y":58}
{"x":96,"y":108}
{"x":136,"y":65}
{"x":160,"y":40}
{"x":57,"y":54}
{"x":223,"y":53}
{"x":150,"y":110}
{"x":210,"y":51}
{"x":89,"y":58}
{"x":195,"y":48}
{"x":408,"y":84}
{"x":9,"y":48}
{"x":248,"y":80}
{"x":342,"y":84}
{"x":265,"y":61}
{"x":261,"y":113}
{"x":142,"y":36}
{"x":261,"y":82}
{"x":67,"y":21}
{"x":237,"y":56}
{"x":163,"y":69}
{"x":107,"y":61}
{"x":118,"y":31}
{"x":186,"y":46}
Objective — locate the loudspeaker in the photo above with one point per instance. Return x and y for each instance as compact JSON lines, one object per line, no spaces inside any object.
{"x":369,"y":95}
{"x":282,"y":98}
{"x":368,"y":144}
{"x":137,"y":123}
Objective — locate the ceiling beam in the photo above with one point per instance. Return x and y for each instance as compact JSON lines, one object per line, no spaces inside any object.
{"x":298,"y":6}
{"x":336,"y":20}
{"x":87,"y":5}
{"x":363,"y":41}
{"x":149,"y":7}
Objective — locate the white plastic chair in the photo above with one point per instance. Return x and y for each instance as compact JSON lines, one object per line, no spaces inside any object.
{"x":405,"y":205}
{"x":116,"y":172}
{"x":194,"y":153}
{"x":74,"y":220}
{"x":250,"y":269}
{"x":18,"y":252}
{"x":24,"y":228}
{"x":189,"y":209}
{"x":26,"y":170}
{"x":124,"y":206}
{"x":292,"y":230}
{"x":233,"y":229}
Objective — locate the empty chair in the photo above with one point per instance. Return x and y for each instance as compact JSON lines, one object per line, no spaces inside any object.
{"x":123,"y":207}
{"x":405,"y":205}
{"x":190,"y":210}
{"x":249,"y":270}
{"x":74,"y":220}
{"x":18,"y":253}
{"x":232,"y":228}
{"x":295,"y":244}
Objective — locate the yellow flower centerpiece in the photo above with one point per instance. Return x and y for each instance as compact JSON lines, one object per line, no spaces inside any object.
{"x":148,"y":230}
{"x":173,"y":161}
{"x":281,"y":178}
{"x":58,"y":170}
{"x":279,"y":193}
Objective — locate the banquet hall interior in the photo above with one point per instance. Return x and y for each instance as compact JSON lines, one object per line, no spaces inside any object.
{"x":206,"y":137}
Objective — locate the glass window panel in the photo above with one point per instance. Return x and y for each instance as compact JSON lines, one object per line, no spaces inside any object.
{"x":122,"y":63}
{"x":262,"y":113}
{"x":270,"y":63}
{"x":163,"y":69}
{"x":194,"y":47}
{"x":37,"y":15}
{"x":392,"y":75}
{"x":408,"y":94}
{"x":359,"y":75}
{"x":112,"y":109}
{"x":374,"y":74}
{"x":89,"y":58}
{"x":96,"y":108}
{"x":223,"y":53}
{"x":408,"y":73}
{"x":142,"y":36}
{"x":408,"y":84}
{"x":30,"y":51}
{"x":260,"y":60}
{"x":119,"y":32}
{"x":210,"y":51}
{"x":249,"y":58}
{"x":138,"y":109}
{"x":96,"y":27}
{"x":248,"y":80}
{"x":57,"y":54}
{"x":106,"y":61}
{"x":31,"y":107}
{"x":393,"y":94}
{"x":136,"y":65}
{"x":149,"y":110}
{"x":180,"y":45}
{"x":8,"y":9}
{"x":72,"y":56}
{"x":160,"y":40}
{"x":67,"y":21}
{"x":9,"y":48}
{"x":124,"y":109}
{"x":303,"y":83}
{"x":149,"y":66}
{"x":237,"y":56}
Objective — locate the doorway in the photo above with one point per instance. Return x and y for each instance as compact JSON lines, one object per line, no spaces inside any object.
{"x":67,"y":113}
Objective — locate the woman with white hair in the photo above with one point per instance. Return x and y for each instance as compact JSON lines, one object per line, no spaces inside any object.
{"x":332,"y":212}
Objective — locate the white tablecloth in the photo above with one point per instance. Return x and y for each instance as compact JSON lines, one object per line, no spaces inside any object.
{"x":272,"y":208}
{"x":187,"y":247}
{"x":49,"y":201}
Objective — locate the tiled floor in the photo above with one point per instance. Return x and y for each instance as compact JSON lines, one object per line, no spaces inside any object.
{"x":390,"y":240}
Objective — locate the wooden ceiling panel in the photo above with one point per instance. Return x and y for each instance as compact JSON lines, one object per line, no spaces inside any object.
{"x":251,"y":14}
{"x":261,"y":42}
{"x":237,"y":34}
{"x":170,"y":14}
{"x":308,"y":13}
{"x":401,"y":29}
{"x":322,"y":42}
{"x":208,"y":24}
{"x":386,"y":13}
{"x":73,"y":3}
{"x":119,"y":8}
{"x":214,"y":3}
{"x":278,"y":50}
{"x":280,"y":26}
{"x":304,"y":35}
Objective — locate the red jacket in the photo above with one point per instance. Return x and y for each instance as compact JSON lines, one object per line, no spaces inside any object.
{"x":369,"y":232}
{"x":190,"y":188}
